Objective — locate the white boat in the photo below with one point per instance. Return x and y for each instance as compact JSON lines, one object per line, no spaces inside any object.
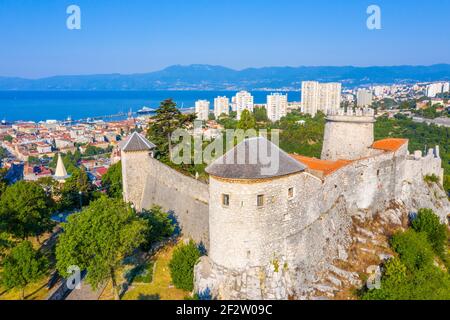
{"x":146,"y":110}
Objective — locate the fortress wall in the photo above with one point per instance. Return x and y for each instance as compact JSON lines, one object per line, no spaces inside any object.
{"x":186,"y":197}
{"x":417,"y":168}
{"x":304,"y":235}
{"x":364,"y":184}
{"x":150,"y":182}
{"x":244,"y":235}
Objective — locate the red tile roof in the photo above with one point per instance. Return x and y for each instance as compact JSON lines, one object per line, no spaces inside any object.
{"x":324,"y":166}
{"x":102,"y":171}
{"x":389,"y":144}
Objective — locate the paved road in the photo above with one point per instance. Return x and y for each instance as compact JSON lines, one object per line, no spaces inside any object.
{"x":442,"y":122}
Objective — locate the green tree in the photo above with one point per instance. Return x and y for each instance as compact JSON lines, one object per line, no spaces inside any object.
{"x":3,"y":182}
{"x":5,"y":243}
{"x":260,"y":114}
{"x":112,"y":181}
{"x":182,"y":266}
{"x":160,"y":226}
{"x":98,"y":239}
{"x":227,"y":122}
{"x":70,"y":161}
{"x":33,"y":160}
{"x":75,"y":188}
{"x":447,"y":184}
{"x":25,"y":210}
{"x":247,"y":121}
{"x":3,"y":154}
{"x":412,"y":275}
{"x":167,"y":119}
{"x":23,"y":266}
{"x":50,"y":186}
{"x":8,"y":138}
{"x":428,"y":222}
{"x":413,"y":248}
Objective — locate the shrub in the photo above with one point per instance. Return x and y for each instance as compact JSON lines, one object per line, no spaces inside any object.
{"x":182,"y":266}
{"x":428,"y":222}
{"x":413,"y":249}
{"x":160,"y":224}
{"x":412,"y":275}
{"x":398,"y":283}
{"x":432,"y":179}
{"x":394,"y":283}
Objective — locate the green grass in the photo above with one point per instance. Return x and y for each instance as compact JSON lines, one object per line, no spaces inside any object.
{"x":142,"y":273}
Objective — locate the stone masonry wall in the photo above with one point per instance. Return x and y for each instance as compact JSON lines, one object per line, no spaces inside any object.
{"x":281,"y":250}
{"x":148,"y":182}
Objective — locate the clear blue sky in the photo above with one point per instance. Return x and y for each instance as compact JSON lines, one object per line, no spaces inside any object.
{"x":138,"y":36}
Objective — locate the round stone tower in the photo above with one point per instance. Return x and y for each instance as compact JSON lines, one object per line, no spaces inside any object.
{"x":348,"y":136}
{"x":247,"y":206}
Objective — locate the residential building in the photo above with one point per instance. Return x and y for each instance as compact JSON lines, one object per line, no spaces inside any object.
{"x":446,"y":87}
{"x":202,"y":109}
{"x":242,"y":101}
{"x":330,"y":97}
{"x":277,"y":105}
{"x":325,"y":97}
{"x":221,"y":106}
{"x":364,"y":98}
{"x":434,"y":89}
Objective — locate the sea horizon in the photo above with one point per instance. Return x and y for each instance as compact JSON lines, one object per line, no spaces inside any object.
{"x":39,"y":106}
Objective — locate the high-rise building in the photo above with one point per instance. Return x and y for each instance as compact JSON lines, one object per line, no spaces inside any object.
{"x":325,"y":97}
{"x":242,"y":101}
{"x":277,"y":105}
{"x":364,"y":98}
{"x":330,"y":97}
{"x":446,"y":87}
{"x":310,"y":97}
{"x":202,"y":109}
{"x":221,"y":106}
{"x":434,"y":89}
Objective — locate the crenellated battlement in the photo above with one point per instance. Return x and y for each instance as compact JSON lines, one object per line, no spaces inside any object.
{"x":358,"y":112}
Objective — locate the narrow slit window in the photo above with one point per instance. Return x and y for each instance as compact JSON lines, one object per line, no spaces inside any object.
{"x":226,"y":200}
{"x":291,"y":193}
{"x":260,"y":200}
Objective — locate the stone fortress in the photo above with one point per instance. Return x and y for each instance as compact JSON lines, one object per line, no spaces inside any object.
{"x":281,"y":236}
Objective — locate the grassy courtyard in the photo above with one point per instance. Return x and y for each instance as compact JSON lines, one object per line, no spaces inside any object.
{"x":160,"y":288}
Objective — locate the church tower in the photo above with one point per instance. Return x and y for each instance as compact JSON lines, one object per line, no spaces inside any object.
{"x":61,"y":172}
{"x":348,"y":135}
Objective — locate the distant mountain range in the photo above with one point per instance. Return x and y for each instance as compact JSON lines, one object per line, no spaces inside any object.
{"x":207,"y":77}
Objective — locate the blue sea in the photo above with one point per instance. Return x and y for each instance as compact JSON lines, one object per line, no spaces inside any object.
{"x":59,"y":105}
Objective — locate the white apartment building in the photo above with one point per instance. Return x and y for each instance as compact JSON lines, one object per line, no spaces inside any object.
{"x":325,"y":97}
{"x":277,"y":105}
{"x":364,"y":98}
{"x":436,"y":88}
{"x":310,"y":97}
{"x":221,"y":106}
{"x":202,"y":109}
{"x":330,"y":97}
{"x":242,"y":101}
{"x":380,"y":91}
{"x":446,"y":87}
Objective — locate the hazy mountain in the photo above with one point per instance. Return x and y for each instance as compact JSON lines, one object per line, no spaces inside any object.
{"x":206,"y":77}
